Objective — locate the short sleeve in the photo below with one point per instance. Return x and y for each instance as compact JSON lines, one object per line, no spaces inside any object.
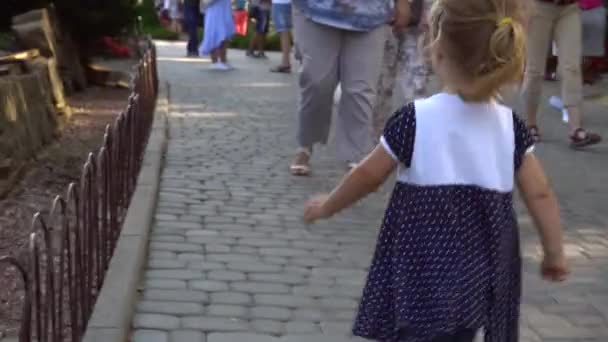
{"x":524,"y":143}
{"x":399,"y":134}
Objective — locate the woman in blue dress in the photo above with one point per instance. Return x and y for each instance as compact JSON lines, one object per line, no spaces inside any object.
{"x":219,"y":29}
{"x":447,"y":261}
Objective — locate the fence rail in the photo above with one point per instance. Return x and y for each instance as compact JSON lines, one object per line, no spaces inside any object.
{"x":69,"y":250}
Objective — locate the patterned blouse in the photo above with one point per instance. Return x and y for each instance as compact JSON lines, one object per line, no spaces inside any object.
{"x":354,"y":15}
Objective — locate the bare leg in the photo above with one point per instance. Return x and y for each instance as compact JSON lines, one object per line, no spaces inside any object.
{"x":286,"y":48}
{"x":223,"y":52}
{"x":214,"y":56}
{"x":261,"y":42}
{"x":253,"y":43}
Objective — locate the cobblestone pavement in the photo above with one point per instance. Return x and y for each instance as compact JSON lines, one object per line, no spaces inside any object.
{"x":230,"y":259}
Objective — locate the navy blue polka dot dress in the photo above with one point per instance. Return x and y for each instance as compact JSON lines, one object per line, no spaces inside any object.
{"x":447,"y":256}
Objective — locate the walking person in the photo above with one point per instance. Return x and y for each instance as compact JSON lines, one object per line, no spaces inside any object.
{"x":259,"y":14}
{"x":403,"y":66}
{"x":340,"y":44}
{"x":219,"y":29}
{"x":281,"y":17}
{"x":176,"y":14}
{"x":447,"y":262}
{"x":561,"y":21}
{"x":191,"y":21}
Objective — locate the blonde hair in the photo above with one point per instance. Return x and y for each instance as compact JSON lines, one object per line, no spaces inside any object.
{"x":484,"y":42}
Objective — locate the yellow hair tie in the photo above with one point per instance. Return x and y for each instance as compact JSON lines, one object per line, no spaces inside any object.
{"x":505,"y":21}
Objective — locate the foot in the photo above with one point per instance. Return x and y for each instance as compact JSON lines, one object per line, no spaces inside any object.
{"x":192,"y":54}
{"x":282,"y":69}
{"x":301,"y":163}
{"x":227,"y":66}
{"x":217,"y":66}
{"x":534,"y":133}
{"x":261,"y":55}
{"x":250,"y":54}
{"x":581,"y":138}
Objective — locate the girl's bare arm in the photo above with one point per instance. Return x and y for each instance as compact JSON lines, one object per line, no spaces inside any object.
{"x":542,"y":204}
{"x":363,"y":179}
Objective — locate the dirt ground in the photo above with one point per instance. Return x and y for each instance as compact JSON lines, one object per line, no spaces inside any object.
{"x":47,"y":176}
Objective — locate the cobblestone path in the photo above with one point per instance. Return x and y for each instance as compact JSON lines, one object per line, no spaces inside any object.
{"x":230,"y":259}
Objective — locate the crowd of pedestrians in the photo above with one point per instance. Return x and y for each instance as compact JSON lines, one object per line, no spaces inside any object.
{"x":447,"y":263}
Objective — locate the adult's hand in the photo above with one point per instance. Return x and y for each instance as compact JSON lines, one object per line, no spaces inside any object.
{"x":401,"y":18}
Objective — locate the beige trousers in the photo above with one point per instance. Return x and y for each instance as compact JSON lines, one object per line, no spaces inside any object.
{"x":330,"y":56}
{"x":563,"y":25}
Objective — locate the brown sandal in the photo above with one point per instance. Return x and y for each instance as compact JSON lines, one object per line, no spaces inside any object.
{"x":534,"y":133}
{"x":301,"y":163}
{"x":281,"y":69}
{"x":587,"y":139}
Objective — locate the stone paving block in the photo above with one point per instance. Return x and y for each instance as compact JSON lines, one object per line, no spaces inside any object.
{"x":308,"y":261}
{"x":314,"y":315}
{"x":336,"y":328}
{"x":164,"y":284}
{"x":224,"y":310}
{"x":338,"y":303}
{"x":186,"y":336}
{"x":155,"y":321}
{"x":206,"y":265}
{"x":144,"y":335}
{"x":211,"y":324}
{"x":178,"y":225}
{"x":314,"y":290}
{"x":166,"y":264}
{"x":266,"y":326}
{"x":285,"y":252}
{"x":259,"y":287}
{"x":210,"y":240}
{"x":231,"y":258}
{"x":167,"y":238}
{"x":216,"y":248}
{"x":175,"y":247}
{"x":302,"y":328}
{"x":289,"y":279}
{"x":191,"y":256}
{"x":275,"y":260}
{"x":288,"y":301}
{"x":208,"y":285}
{"x":263,"y":242}
{"x":226,"y":275}
{"x":244,"y":250}
{"x":565,"y":332}
{"x":270,"y":312}
{"x":231,"y":298}
{"x":161,"y":255}
{"x":170,"y":308}
{"x":176,"y":296}
{"x":254,"y":267}
{"x":176,"y":274}
{"x":304,"y":271}
{"x":245,"y":337}
{"x":242,"y":235}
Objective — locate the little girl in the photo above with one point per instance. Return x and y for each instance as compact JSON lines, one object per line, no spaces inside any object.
{"x":447,"y":261}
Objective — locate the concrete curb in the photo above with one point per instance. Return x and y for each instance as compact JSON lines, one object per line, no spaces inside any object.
{"x":113,"y":311}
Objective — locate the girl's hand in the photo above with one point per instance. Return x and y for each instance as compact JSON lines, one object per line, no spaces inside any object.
{"x":555,"y":268}
{"x":315,"y":209}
